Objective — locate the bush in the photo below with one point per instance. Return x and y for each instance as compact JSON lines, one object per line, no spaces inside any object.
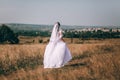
{"x":6,"y":34}
{"x":40,"y":41}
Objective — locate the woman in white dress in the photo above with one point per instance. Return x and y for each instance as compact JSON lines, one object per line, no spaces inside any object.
{"x":56,"y":53}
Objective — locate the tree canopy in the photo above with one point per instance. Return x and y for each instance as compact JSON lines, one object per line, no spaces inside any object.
{"x":6,"y":34}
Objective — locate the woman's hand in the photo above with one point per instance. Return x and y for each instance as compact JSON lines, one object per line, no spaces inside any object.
{"x":62,"y":39}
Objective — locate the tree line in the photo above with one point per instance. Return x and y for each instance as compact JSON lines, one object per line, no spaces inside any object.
{"x":92,"y":34}
{"x":8,"y":35}
{"x":74,"y":34}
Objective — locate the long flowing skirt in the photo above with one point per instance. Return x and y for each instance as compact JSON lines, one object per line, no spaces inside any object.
{"x":56,"y":55}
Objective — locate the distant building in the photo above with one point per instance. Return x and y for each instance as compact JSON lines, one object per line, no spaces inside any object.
{"x":105,"y":30}
{"x":94,"y":29}
{"x":115,"y":30}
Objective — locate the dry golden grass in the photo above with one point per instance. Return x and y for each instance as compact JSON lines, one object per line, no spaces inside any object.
{"x":93,"y":60}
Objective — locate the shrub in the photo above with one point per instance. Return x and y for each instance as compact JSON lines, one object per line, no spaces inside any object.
{"x":6,"y":34}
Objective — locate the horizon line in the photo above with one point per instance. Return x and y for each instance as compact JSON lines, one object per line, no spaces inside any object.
{"x":63,"y":24}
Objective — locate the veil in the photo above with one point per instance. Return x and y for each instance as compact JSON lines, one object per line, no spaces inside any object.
{"x":54,"y":34}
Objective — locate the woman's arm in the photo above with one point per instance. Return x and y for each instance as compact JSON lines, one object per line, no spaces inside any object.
{"x":61,"y":35}
{"x":62,"y":39}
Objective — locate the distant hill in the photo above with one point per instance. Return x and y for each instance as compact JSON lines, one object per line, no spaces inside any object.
{"x":33,"y":27}
{"x":30,"y":27}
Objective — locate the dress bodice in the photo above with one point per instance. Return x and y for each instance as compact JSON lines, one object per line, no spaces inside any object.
{"x":60,"y":34}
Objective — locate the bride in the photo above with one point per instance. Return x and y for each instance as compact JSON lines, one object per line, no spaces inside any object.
{"x":56,"y":53}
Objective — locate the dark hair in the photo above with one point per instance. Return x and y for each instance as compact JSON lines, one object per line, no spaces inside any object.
{"x":58,"y":23}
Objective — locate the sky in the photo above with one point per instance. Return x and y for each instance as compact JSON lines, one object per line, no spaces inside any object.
{"x":67,"y":12}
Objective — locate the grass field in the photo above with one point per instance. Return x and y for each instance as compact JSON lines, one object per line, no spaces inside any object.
{"x":92,"y":60}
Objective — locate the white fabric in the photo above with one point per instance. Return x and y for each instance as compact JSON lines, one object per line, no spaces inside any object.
{"x":56,"y":53}
{"x":54,"y":34}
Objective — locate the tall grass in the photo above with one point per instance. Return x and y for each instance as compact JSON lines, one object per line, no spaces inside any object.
{"x":15,"y":57}
{"x":98,"y":61}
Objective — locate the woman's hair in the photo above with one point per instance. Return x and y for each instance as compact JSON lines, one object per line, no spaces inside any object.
{"x":58,"y":23}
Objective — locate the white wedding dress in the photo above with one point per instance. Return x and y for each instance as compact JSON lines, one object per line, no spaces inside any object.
{"x":56,"y":53}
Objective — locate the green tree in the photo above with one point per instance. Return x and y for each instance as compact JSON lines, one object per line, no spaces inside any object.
{"x":6,"y":34}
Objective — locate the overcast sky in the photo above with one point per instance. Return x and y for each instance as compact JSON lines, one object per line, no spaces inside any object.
{"x":68,"y":12}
